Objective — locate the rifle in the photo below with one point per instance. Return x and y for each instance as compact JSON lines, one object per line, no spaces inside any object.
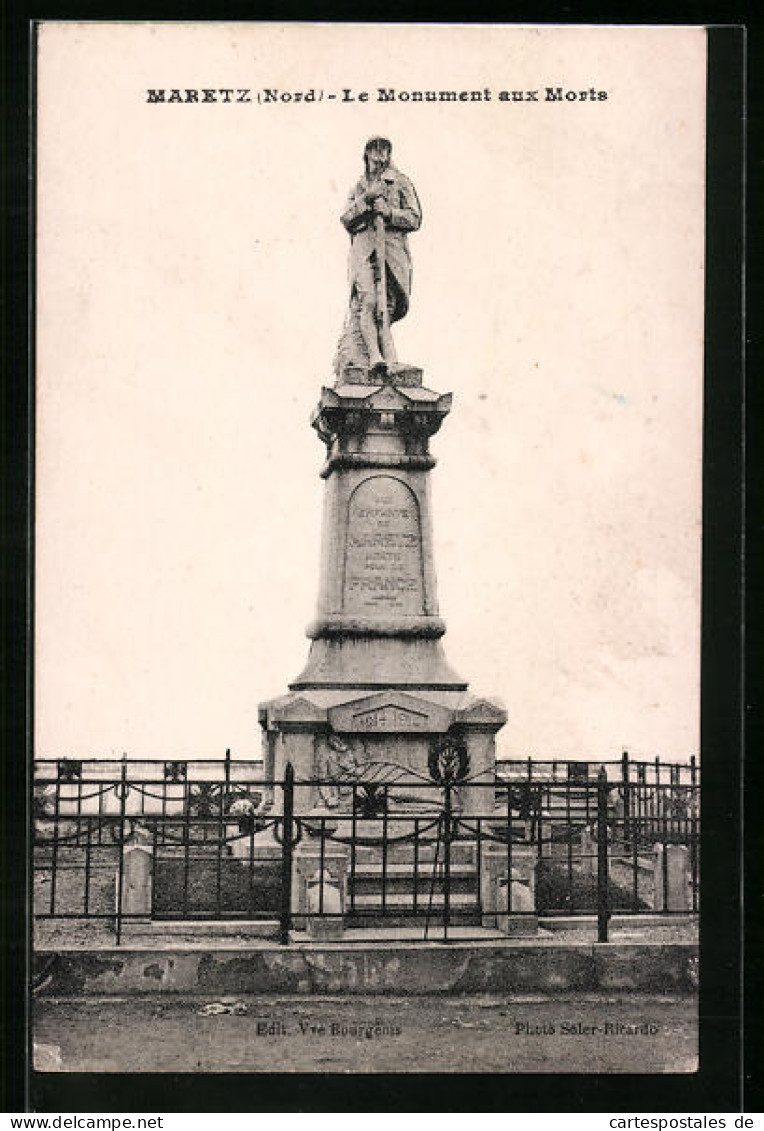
{"x":380,"y":279}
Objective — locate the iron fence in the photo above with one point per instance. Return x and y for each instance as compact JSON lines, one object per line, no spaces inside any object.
{"x":168,"y":773}
{"x":454,"y":857}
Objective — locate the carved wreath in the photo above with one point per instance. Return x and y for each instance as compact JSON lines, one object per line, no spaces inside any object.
{"x":448,"y":761}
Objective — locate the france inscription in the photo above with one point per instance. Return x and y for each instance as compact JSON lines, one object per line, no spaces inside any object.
{"x":383,"y":556}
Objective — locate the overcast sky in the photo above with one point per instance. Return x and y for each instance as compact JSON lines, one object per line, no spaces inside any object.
{"x":192,"y":286}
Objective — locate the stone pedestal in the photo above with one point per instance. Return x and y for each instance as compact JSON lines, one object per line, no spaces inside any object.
{"x":497,"y":886}
{"x":677,"y":895}
{"x":137,"y":875}
{"x":319,"y":895}
{"x":589,"y":862}
{"x":377,"y":689}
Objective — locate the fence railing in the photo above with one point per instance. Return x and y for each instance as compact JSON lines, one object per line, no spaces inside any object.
{"x":175,"y":771}
{"x":342,"y":858}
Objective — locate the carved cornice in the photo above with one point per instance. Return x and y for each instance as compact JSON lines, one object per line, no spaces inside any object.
{"x":377,"y":459}
{"x":339,"y":624}
{"x":352,"y":411}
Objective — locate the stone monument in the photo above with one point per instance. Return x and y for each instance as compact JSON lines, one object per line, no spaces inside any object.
{"x":377,"y":690}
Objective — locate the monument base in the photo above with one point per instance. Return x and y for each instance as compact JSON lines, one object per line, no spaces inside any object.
{"x":344,"y":734}
{"x":390,"y":753}
{"x":361,"y":662}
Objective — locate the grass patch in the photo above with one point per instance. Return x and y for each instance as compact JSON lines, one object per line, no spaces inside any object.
{"x":558,"y":890}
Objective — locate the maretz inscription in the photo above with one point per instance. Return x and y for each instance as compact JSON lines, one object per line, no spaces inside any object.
{"x":383,"y":541}
{"x":383,"y":557}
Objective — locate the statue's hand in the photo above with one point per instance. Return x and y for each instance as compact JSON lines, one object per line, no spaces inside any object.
{"x":382,"y":208}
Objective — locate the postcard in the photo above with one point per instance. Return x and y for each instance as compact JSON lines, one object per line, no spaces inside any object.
{"x":368,"y":495}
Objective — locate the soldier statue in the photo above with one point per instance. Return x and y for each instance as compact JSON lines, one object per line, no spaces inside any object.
{"x":382,"y":207}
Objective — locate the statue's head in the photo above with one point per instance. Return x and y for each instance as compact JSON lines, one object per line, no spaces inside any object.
{"x":376,"y":155}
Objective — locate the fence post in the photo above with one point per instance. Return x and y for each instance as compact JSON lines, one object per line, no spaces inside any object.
{"x":121,"y":871}
{"x":626,"y":787}
{"x":446,"y":859}
{"x":287,"y":844}
{"x":54,"y":850}
{"x":693,"y":831}
{"x":603,"y":910}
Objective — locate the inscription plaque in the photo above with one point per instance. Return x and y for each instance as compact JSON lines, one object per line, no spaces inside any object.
{"x":390,"y":719}
{"x":383,"y":555}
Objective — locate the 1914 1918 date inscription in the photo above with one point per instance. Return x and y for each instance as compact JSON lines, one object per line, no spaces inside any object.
{"x":383,"y":556}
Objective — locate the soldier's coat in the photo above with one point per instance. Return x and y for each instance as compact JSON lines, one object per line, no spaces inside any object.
{"x":406,"y":216}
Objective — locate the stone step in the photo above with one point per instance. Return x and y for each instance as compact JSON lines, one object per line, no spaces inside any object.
{"x":369,"y":869}
{"x":200,"y":928}
{"x":404,"y":900}
{"x":406,"y":887}
{"x":422,"y":918}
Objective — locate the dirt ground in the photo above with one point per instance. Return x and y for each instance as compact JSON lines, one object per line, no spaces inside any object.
{"x":575,"y":1033}
{"x":76,"y":934}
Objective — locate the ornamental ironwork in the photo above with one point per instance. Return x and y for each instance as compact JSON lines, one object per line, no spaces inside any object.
{"x":69,"y":769}
{"x":524,"y":799}
{"x":448,"y":761}
{"x":370,"y":800}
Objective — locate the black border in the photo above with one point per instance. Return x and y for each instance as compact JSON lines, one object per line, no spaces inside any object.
{"x":717,"y":1087}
